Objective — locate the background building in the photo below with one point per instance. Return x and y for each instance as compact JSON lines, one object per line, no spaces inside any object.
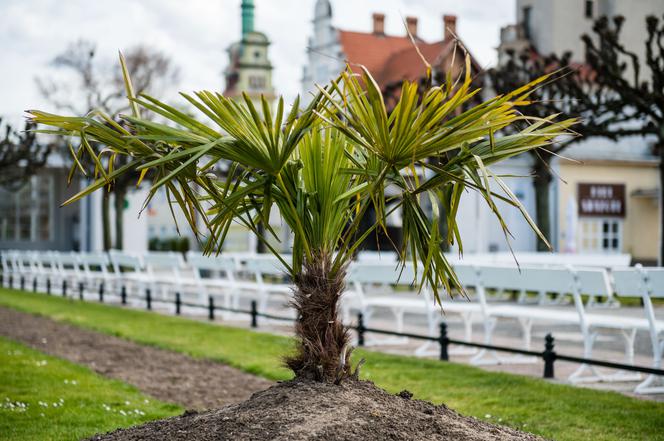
{"x":607,"y":197}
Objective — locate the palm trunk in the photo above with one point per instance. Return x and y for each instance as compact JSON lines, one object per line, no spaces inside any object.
{"x":105,"y":219}
{"x":119,"y":218}
{"x":541,"y":181}
{"x":323,"y":351}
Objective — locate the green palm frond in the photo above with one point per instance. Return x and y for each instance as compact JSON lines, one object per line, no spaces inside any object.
{"x":323,"y":167}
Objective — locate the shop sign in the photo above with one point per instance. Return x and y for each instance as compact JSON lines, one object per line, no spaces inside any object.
{"x":602,"y":200}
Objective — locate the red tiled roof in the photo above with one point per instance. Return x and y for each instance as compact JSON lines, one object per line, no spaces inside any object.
{"x":392,"y":59}
{"x":371,"y":50}
{"x":408,"y":65}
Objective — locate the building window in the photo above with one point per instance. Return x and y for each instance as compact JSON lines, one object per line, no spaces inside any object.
{"x":527,"y":11}
{"x":589,"y":9}
{"x":601,"y":235}
{"x":27,"y":214}
{"x":256,"y":82}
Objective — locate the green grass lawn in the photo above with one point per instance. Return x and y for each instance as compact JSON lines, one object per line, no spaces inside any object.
{"x":552,"y":410}
{"x":46,"y":398}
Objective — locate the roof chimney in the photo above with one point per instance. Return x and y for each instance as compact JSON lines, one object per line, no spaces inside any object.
{"x":449,"y":27}
{"x":378,"y":23}
{"x":411,"y":24}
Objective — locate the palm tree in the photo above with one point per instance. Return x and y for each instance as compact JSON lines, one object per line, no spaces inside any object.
{"x":323,"y":167}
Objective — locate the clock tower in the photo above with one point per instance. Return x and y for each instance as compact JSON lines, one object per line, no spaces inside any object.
{"x":249,"y":68}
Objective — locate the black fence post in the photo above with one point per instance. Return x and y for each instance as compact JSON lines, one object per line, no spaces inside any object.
{"x":34,"y":285}
{"x":178,"y":303}
{"x":148,"y":299}
{"x":123,"y":295}
{"x":549,"y":356}
{"x":443,"y":341}
{"x":101,"y":292}
{"x":254,"y":314}
{"x":360,"y":329}
{"x":11,"y":282}
{"x":64,"y":288}
{"x":22,"y":283}
{"x":210,"y":308}
{"x":80,"y":290}
{"x":48,"y":286}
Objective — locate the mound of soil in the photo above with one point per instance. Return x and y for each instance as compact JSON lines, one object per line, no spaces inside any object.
{"x":307,"y":410}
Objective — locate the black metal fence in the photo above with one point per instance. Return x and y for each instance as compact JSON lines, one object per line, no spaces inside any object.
{"x":549,"y":356}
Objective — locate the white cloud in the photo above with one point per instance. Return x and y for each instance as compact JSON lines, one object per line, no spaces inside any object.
{"x":196,"y":33}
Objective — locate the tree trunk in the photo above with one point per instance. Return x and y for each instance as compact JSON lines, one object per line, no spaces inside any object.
{"x":661,"y":196}
{"x":323,"y":349}
{"x":120,"y":194}
{"x":260,"y":245}
{"x":105,"y":218}
{"x":541,"y":181}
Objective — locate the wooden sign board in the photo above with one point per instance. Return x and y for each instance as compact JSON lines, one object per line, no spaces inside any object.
{"x":605,"y":200}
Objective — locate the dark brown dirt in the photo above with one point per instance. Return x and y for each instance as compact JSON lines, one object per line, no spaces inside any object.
{"x":166,"y":375}
{"x":309,"y":410}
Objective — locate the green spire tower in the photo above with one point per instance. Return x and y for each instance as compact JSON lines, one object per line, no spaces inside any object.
{"x":247,"y":17}
{"x":249,"y":68}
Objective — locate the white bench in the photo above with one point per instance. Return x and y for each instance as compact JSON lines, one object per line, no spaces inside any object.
{"x":95,"y":273}
{"x":644,"y":283}
{"x":563,"y":282}
{"x":216,"y":276}
{"x":264,"y":275}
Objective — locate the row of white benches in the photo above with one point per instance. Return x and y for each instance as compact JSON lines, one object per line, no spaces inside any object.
{"x":374,"y":286}
{"x":480,"y":281}
{"x":233,"y":277}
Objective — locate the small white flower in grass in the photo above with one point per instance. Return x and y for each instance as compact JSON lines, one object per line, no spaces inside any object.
{"x":74,"y":382}
{"x":123,"y":413}
{"x":500,"y":420}
{"x":146,"y":401}
{"x":127,"y":403}
{"x":488,"y":415}
{"x":41,"y":414}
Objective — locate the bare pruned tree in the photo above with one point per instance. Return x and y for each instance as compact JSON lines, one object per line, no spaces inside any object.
{"x":598,"y":91}
{"x":21,"y":155}
{"x":637,"y":90}
{"x":99,"y":85}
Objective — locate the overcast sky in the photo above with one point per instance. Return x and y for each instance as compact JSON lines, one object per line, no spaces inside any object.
{"x":195,"y":33}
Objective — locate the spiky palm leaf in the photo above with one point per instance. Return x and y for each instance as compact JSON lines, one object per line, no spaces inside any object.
{"x":322,"y":166}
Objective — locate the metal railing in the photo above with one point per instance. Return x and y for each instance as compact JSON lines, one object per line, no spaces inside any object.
{"x":549,"y":356}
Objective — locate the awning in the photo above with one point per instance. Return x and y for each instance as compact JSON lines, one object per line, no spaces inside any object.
{"x":647,"y":193}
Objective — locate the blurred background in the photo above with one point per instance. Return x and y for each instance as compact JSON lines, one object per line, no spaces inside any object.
{"x":599,"y":193}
